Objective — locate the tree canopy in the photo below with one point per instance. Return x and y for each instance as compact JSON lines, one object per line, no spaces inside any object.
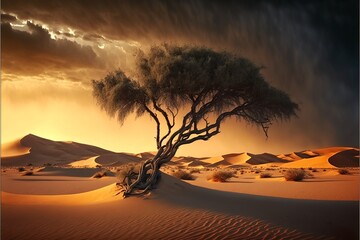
{"x":209,"y":82}
{"x":211,"y":86}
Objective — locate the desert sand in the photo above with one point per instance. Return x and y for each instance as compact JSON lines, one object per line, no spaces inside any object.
{"x":62,"y":199}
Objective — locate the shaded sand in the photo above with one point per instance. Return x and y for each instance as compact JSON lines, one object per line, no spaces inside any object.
{"x":264,"y":158}
{"x":237,"y":158}
{"x":306,"y":154}
{"x":347,"y":158}
{"x":69,"y":172}
{"x":285,"y":157}
{"x":117,"y":159}
{"x":176,"y":210}
{"x":309,"y":153}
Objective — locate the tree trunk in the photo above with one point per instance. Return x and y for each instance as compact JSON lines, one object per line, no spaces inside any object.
{"x":138,"y":183}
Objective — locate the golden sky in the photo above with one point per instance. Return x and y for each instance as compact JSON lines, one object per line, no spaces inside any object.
{"x":51,"y":50}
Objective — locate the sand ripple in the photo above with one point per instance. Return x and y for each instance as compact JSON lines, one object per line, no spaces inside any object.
{"x":162,"y":222}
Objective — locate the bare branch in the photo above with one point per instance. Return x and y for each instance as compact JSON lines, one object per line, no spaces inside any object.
{"x":169,"y":124}
{"x":265,"y":124}
{"x":204,"y":137}
{"x":156,"y":119}
{"x":184,"y":127}
{"x":173,"y":115}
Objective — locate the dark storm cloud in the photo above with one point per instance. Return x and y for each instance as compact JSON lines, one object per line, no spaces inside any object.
{"x":7,"y":18}
{"x":36,"y":52}
{"x":309,"y":48}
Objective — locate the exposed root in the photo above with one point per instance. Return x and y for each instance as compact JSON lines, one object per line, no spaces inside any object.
{"x":135,"y":184}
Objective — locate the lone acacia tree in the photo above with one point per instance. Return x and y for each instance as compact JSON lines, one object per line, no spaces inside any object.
{"x":209,"y":86}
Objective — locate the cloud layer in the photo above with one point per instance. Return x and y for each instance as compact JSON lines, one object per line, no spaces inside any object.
{"x":35,"y":52}
{"x":309,"y":48}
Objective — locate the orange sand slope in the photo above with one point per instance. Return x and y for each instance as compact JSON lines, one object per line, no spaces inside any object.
{"x":176,"y":210}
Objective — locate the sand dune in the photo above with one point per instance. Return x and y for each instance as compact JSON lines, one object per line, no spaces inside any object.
{"x":220,"y":164}
{"x":285,"y":157}
{"x":234,"y":159}
{"x":39,"y":151}
{"x":328,"y":158}
{"x":200,"y":214}
{"x":43,"y":151}
{"x":315,"y":162}
{"x":237,"y":159}
{"x":290,"y":157}
{"x":49,"y":147}
{"x":319,"y":158}
{"x":13,"y":148}
{"x":66,"y":203}
{"x":324,"y":151}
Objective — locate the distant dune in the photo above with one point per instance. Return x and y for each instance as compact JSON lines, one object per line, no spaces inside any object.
{"x":44,"y":151}
{"x":38,"y":151}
